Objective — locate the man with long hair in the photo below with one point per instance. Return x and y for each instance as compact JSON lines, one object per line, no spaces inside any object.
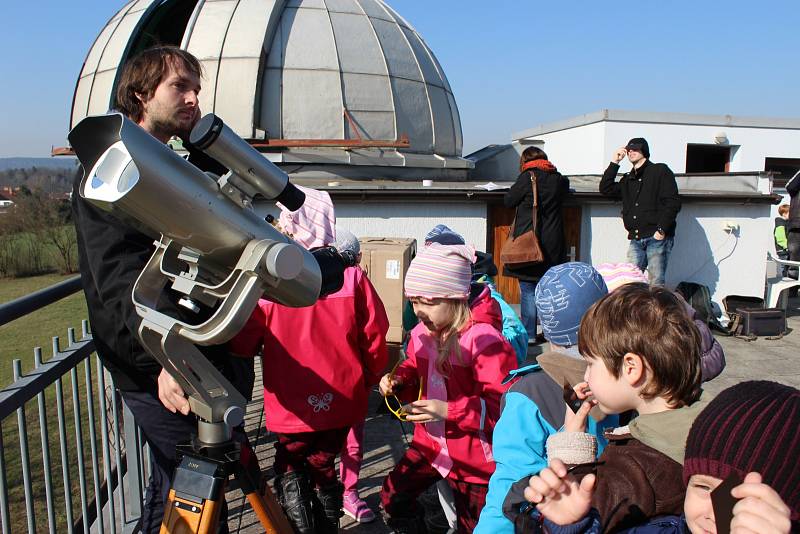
{"x":158,"y":90}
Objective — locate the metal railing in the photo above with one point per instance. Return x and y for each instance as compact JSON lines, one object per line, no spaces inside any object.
{"x":67,"y":459}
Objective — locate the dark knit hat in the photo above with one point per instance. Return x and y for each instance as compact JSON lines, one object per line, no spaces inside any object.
{"x":484,"y":265}
{"x":640,"y":144}
{"x":444,"y":235}
{"x":752,"y":426}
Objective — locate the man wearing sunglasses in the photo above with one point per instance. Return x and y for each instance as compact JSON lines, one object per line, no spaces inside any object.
{"x":650,"y":205}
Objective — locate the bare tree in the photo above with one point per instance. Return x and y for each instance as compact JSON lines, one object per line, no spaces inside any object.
{"x":45,"y":221}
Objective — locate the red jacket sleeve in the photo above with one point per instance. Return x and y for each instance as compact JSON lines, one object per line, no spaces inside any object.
{"x":493,"y":360}
{"x":373,"y":325}
{"x":250,"y":338}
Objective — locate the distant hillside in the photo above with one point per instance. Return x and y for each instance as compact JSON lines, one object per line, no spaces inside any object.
{"x":51,"y":175}
{"x":49,"y":163}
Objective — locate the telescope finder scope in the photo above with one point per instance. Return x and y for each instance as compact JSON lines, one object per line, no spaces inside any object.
{"x":213,"y":137}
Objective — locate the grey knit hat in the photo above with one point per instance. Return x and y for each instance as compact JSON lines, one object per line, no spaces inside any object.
{"x":346,"y":241}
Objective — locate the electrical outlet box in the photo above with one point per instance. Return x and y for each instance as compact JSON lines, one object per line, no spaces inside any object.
{"x":730,"y":226}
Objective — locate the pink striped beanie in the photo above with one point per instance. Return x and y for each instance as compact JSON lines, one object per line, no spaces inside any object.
{"x":440,"y":271}
{"x":619,"y":274}
{"x":313,"y":224}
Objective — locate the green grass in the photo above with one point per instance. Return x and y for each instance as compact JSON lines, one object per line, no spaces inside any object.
{"x":17,"y":340}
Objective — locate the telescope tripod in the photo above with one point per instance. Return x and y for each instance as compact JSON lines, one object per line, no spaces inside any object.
{"x":195,"y":500}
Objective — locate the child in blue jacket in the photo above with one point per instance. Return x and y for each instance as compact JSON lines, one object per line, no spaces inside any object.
{"x":533,"y":408}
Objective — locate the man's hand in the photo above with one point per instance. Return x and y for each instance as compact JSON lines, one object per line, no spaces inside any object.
{"x":426,"y":411}
{"x":760,"y":510}
{"x":558,"y":496}
{"x":658,"y":235}
{"x":619,"y":155}
{"x":171,"y":394}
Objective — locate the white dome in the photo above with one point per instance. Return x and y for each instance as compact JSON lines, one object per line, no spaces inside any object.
{"x":295,"y":69}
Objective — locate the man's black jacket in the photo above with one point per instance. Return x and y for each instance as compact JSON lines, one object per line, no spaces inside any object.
{"x":649,"y":195}
{"x":111,"y":256}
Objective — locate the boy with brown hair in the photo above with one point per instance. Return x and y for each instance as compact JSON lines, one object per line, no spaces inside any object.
{"x":642,"y":354}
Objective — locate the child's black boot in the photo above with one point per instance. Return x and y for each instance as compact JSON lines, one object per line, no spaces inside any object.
{"x":332,"y":499}
{"x":295,"y":496}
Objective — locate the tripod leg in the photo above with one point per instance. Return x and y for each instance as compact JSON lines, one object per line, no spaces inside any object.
{"x":269,"y":512}
{"x":265,"y":506}
{"x":184,"y":516}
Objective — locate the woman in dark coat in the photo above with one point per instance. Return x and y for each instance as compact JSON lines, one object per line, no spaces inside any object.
{"x":552,"y":189}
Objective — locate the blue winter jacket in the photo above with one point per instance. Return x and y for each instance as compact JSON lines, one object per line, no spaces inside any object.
{"x":532,"y":410}
{"x":513,"y":329}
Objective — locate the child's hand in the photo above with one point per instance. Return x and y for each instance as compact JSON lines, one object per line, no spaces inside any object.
{"x":576,"y":422}
{"x":760,"y":510}
{"x":582,"y":390}
{"x":426,"y":411}
{"x":558,"y":496}
{"x":387,"y":384}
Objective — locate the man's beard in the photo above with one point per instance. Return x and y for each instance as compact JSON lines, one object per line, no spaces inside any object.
{"x":172,"y":125}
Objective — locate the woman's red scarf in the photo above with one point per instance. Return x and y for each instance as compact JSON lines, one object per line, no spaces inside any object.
{"x":543,"y":164}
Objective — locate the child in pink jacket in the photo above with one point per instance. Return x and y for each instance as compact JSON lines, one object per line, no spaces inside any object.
{"x":317,"y":365}
{"x":456,"y":366}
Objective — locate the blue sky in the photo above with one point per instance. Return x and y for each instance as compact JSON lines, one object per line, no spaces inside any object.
{"x":512,"y":64}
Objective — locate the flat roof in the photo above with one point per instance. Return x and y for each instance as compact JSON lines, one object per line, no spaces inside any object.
{"x":737,"y":187}
{"x":689,"y":119}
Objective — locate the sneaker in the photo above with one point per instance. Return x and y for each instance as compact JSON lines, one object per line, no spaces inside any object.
{"x":357,"y":508}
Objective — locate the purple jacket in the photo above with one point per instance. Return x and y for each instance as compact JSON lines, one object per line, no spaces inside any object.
{"x":712,"y":359}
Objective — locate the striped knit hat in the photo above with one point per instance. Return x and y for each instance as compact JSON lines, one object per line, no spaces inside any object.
{"x":619,"y":274}
{"x":313,"y":224}
{"x":752,"y":426}
{"x":440,"y":271}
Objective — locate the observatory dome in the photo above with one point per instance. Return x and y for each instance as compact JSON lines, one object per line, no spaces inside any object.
{"x":307,"y":74}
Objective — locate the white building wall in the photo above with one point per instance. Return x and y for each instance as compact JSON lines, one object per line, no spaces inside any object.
{"x":704,"y":253}
{"x":379,"y":218}
{"x":575,"y":151}
{"x":588,"y":149}
{"x":413,"y":219}
{"x":750,"y":146}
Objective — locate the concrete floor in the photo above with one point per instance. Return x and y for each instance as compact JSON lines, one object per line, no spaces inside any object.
{"x":777,"y":360}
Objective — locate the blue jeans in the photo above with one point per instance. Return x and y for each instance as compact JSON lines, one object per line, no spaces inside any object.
{"x":651,"y":255}
{"x":527,"y":307}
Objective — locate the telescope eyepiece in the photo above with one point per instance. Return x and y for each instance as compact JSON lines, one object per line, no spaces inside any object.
{"x":206,"y":131}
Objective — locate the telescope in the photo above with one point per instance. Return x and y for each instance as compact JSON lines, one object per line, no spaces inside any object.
{"x":214,"y":250}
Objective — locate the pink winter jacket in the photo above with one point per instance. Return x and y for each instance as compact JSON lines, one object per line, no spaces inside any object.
{"x":318,"y":362}
{"x":473,"y":393}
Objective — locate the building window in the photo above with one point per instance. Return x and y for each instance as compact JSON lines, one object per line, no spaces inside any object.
{"x":784,"y":169}
{"x":707,"y":158}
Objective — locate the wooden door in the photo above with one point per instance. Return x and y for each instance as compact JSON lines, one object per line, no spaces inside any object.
{"x":499,"y":226}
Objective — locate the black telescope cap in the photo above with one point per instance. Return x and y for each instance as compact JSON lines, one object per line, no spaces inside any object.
{"x":291,"y":197}
{"x":206,"y":131}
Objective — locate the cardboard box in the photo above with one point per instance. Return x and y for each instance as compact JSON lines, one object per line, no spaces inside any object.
{"x":386,"y":260}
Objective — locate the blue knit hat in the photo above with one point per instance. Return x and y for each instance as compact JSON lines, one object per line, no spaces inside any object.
{"x":563,"y":295}
{"x":444,"y":236}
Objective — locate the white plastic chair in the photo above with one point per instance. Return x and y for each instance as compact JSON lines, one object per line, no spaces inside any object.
{"x":777,"y":283}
